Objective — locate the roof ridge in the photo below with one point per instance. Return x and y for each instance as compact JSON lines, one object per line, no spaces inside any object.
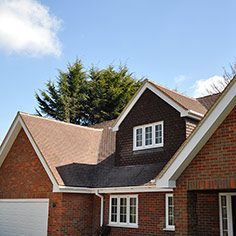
{"x":209,"y":95}
{"x":194,"y":99}
{"x":58,"y":121}
{"x":103,"y":122}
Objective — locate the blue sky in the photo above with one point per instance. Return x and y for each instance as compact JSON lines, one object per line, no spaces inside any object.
{"x":180,"y":44}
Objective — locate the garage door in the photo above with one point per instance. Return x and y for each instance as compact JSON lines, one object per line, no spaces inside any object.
{"x":26,"y":217}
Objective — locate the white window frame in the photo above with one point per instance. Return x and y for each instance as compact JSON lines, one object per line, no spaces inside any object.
{"x":122,"y":224}
{"x":229,"y":213}
{"x":153,"y":145}
{"x":168,"y":227}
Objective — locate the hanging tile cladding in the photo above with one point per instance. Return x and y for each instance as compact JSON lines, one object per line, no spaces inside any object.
{"x":149,"y":109}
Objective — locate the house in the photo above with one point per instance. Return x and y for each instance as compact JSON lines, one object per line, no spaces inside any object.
{"x":165,"y":166}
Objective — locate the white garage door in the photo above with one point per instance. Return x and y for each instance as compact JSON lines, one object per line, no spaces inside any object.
{"x":23,"y":217}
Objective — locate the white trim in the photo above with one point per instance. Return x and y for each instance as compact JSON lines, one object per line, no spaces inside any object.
{"x":43,"y":162}
{"x":143,"y":127}
{"x":134,"y":189}
{"x":71,"y":189}
{"x":147,"y":85}
{"x":229,"y":213}
{"x":24,"y":200}
{"x":127,"y":223}
{"x":168,"y":227}
{"x":18,"y":123}
{"x":130,"y":189}
{"x":200,"y":136}
{"x":9,"y":139}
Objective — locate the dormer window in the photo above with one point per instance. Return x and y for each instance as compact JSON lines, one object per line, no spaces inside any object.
{"x":148,"y":136}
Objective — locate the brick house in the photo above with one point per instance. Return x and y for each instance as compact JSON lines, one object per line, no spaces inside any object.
{"x":165,"y":166}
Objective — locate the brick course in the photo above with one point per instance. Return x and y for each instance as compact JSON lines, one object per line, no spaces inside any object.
{"x":151,"y":216}
{"x":23,"y":176}
{"x":213,"y":170}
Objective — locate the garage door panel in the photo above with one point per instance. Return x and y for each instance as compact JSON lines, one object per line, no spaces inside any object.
{"x":23,"y":217}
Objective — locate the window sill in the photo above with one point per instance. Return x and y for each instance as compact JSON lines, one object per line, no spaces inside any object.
{"x":147,"y":147}
{"x":123,"y":226}
{"x":169,"y":229}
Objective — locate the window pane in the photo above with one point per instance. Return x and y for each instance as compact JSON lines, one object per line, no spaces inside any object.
{"x":114,"y":210}
{"x":123,"y":210}
{"x":139,"y":137}
{"x":170,"y":210}
{"x":224,"y":215}
{"x":158,"y":133}
{"x":132,"y":210}
{"x":148,"y":135}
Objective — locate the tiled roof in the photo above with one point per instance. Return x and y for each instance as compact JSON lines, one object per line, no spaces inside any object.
{"x":63,"y":143}
{"x":84,"y":156}
{"x":106,"y":174}
{"x":108,"y":141}
{"x":209,"y":100}
{"x":184,"y":101}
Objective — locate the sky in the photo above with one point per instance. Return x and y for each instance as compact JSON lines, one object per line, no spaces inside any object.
{"x":180,"y":44}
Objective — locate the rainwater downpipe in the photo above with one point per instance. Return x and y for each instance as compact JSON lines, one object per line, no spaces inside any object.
{"x":102,"y":206}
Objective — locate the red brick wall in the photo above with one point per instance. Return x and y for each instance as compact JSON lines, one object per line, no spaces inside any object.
{"x":149,"y":109}
{"x":214,"y":168}
{"x":23,"y":176}
{"x":77,"y":213}
{"x":151,"y":216}
{"x":207,"y":213}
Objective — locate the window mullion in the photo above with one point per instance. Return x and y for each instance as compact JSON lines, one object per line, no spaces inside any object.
{"x":118,"y":210}
{"x":153,"y":135}
{"x":143,"y":137}
{"x":110,"y":210}
{"x":128,"y":210}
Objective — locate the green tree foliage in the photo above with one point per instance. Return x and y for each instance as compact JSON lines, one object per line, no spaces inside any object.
{"x":87,"y":97}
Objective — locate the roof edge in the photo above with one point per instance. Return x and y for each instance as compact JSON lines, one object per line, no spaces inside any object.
{"x":130,"y":189}
{"x":9,"y":139}
{"x":147,"y":84}
{"x":163,"y":179}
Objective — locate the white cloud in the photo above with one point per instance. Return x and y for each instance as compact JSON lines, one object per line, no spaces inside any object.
{"x":26,"y":26}
{"x":180,"y":78}
{"x":202,"y":87}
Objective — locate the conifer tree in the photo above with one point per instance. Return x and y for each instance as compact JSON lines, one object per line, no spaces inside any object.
{"x":87,"y":97}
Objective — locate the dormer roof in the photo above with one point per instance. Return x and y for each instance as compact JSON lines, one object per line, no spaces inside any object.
{"x":188,"y":107}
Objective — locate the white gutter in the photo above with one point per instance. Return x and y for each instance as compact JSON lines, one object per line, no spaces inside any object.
{"x":102,"y":206}
{"x":130,"y":189}
{"x":68,"y":189}
{"x":134,"y":189}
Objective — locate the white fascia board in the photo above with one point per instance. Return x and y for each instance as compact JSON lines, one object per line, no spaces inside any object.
{"x":70,"y":189}
{"x":171,"y":102}
{"x":131,"y":189}
{"x":134,"y":189}
{"x":9,"y":139}
{"x":41,"y":158}
{"x":198,"y":139}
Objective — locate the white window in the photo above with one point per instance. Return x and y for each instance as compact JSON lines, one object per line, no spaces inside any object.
{"x":148,"y":136}
{"x":123,"y":211}
{"x":170,"y":212}
{"x":227,"y":203}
